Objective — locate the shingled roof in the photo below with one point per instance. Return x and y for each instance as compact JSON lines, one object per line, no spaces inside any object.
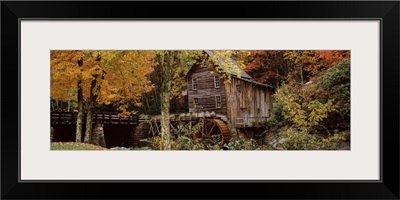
{"x":255,"y":82}
{"x":243,"y":74}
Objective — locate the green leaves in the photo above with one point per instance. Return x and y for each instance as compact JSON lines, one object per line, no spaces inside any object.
{"x":302,"y":140}
{"x":316,"y":105}
{"x":302,"y":113}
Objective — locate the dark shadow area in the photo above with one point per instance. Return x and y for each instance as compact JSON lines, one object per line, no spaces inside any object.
{"x":118,"y":135}
{"x":65,"y":133}
{"x":115,"y":135}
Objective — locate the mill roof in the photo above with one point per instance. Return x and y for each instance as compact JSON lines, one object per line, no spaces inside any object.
{"x":235,"y":65}
{"x":243,"y":75}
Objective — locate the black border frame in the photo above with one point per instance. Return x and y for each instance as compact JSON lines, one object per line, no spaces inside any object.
{"x":386,"y":11}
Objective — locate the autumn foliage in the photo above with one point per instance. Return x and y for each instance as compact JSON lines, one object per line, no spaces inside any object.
{"x":90,"y":77}
{"x":275,"y":67}
{"x":312,"y":87}
{"x":121,"y":76}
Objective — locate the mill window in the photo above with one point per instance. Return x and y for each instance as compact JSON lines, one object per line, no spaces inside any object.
{"x":216,"y":82}
{"x":218,"y":101}
{"x":194,"y":83}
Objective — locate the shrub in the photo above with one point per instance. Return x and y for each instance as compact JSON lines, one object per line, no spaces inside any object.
{"x":187,"y":143}
{"x":242,"y":144}
{"x":299,"y":140}
{"x":277,"y":118}
{"x":302,"y":140}
{"x":333,"y":142}
{"x":154,"y":142}
{"x":297,"y":108}
{"x":323,"y":104}
{"x":336,"y":85}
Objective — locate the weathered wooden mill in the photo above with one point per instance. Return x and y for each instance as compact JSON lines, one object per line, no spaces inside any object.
{"x":241,"y":104}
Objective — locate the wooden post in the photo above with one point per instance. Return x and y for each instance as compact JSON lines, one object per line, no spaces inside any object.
{"x":73,"y":116}
{"x":59,"y":118}
{"x":103,"y":120}
{"x":109,"y":118}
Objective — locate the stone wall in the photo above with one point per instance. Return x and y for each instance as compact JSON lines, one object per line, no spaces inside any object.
{"x":98,"y":135}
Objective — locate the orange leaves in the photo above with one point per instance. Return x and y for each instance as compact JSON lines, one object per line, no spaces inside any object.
{"x":291,"y":66}
{"x":331,"y":58}
{"x":126,"y":77}
{"x":121,"y":76}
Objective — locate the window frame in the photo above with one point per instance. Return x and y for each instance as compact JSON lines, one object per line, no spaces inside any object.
{"x":194,"y":80}
{"x":218,"y":103}
{"x":215,"y":82}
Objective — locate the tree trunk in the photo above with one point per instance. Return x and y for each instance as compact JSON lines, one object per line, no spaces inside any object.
{"x":79,"y":118}
{"x":301,"y":75}
{"x":69,"y":105}
{"x":57,"y":106}
{"x":90,"y":135}
{"x":88,"y":130}
{"x":52,"y":104}
{"x":165,"y":121}
{"x":167,"y":67}
{"x":89,"y":115}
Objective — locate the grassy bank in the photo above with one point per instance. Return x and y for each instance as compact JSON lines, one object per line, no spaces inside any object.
{"x":74,"y":146}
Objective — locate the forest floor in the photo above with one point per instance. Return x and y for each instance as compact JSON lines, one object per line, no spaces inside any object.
{"x":74,"y":146}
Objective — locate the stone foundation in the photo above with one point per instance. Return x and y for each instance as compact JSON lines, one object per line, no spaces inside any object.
{"x":98,"y":135}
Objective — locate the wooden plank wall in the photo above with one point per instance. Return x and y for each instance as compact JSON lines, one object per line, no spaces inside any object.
{"x":251,"y":101}
{"x":206,"y":90}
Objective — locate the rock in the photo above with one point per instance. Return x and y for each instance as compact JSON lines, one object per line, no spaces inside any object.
{"x":212,"y":114}
{"x":119,"y":148}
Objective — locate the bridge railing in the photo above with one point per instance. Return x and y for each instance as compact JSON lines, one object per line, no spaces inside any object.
{"x":98,"y":117}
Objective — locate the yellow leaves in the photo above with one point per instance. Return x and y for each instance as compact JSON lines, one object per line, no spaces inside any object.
{"x":111,"y":97}
{"x":307,"y":115}
{"x":125,"y":74}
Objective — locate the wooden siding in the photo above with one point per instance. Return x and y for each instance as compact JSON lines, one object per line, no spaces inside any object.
{"x":250,"y":106}
{"x":206,"y":91}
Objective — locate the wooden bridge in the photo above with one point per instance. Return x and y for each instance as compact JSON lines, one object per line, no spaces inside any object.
{"x":98,"y":118}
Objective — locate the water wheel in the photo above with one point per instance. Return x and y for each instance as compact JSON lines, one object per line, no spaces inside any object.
{"x":214,"y":131}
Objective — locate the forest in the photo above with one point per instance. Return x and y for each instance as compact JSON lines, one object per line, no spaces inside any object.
{"x":200,"y":99}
